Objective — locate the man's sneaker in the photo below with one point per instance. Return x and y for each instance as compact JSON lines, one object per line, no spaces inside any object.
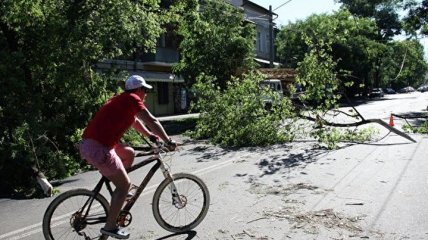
{"x":131,"y":192}
{"x":129,"y":195}
{"x":116,"y":233}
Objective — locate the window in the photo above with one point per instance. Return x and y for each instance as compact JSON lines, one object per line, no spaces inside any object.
{"x":259,"y":41}
{"x":163,"y":96}
{"x":161,"y":40}
{"x":168,"y":40}
{"x":267,"y":44}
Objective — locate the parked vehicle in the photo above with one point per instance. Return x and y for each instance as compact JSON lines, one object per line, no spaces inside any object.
{"x":275,"y":86}
{"x":389,"y":91}
{"x":423,"y":88}
{"x":376,"y":93}
{"x":406,"y":90}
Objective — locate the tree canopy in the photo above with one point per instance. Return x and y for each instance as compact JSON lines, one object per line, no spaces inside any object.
{"x":216,"y":41}
{"x":49,"y":87}
{"x":417,"y":17}
{"x":355,"y":46}
{"x":383,"y":12}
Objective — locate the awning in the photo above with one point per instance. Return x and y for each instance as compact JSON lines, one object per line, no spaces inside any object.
{"x":266,"y":61}
{"x":158,"y":76}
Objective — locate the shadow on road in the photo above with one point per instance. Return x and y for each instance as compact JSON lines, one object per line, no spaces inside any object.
{"x":415,"y":119}
{"x":190,"y":235}
{"x":275,"y":163}
{"x":207,"y":152}
{"x":211,"y":153}
{"x":57,"y":183}
{"x":361,"y":100}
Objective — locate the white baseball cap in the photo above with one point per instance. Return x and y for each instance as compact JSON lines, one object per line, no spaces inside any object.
{"x":136,"y":81}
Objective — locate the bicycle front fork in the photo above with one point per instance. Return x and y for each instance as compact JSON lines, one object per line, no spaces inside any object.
{"x":176,"y":199}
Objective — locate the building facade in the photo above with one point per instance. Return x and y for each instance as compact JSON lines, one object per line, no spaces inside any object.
{"x":169,"y":95}
{"x":265,"y":30}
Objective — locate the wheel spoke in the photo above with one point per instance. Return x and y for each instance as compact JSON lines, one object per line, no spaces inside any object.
{"x":64,"y":218}
{"x":195,"y":202}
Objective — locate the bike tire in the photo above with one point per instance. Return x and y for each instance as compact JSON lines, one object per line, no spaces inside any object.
{"x":163,"y":199}
{"x":58,"y":218}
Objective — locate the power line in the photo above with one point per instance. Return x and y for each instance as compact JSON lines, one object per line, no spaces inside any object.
{"x":263,"y":15}
{"x":282,"y":4}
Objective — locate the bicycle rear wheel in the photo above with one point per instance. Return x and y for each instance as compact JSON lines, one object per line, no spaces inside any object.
{"x":195,"y":198}
{"x":65,"y":216}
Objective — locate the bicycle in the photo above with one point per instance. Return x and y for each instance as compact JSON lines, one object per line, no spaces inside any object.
{"x":80,"y":213}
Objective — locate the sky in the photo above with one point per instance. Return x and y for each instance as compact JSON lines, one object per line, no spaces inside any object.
{"x":297,"y":9}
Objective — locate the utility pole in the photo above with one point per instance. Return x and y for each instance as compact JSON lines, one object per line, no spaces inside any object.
{"x":271,"y":48}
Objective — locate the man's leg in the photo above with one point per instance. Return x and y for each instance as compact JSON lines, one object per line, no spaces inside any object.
{"x":116,"y":173}
{"x":110,"y":165}
{"x":122,"y":183}
{"x":126,"y":154}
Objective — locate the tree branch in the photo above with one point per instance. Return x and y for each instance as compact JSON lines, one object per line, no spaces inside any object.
{"x":322,"y":121}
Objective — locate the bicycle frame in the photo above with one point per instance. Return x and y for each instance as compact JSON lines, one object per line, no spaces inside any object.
{"x":130,"y":202}
{"x":92,"y":208}
{"x":147,"y":178}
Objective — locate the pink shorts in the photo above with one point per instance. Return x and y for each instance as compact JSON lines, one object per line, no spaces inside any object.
{"x":104,"y":159}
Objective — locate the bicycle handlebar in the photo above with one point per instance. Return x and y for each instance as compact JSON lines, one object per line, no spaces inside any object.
{"x":151,"y":148}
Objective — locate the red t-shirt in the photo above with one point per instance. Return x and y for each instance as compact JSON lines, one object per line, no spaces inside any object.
{"x":114,"y":118}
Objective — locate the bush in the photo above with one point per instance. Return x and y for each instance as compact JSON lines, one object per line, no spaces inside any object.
{"x":236,"y":116}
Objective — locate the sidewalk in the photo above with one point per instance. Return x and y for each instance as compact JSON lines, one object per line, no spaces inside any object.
{"x":178,"y":124}
{"x":178,"y":117}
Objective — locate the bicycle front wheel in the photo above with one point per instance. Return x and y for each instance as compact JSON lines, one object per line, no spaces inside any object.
{"x":194,"y":197}
{"x":72,"y":215}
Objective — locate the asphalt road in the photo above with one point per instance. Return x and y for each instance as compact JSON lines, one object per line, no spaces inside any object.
{"x":376,"y":190}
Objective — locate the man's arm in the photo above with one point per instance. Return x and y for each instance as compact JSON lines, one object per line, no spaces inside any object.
{"x":154,"y":125}
{"x":139,"y":127}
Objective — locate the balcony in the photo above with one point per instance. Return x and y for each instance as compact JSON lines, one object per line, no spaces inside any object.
{"x":162,"y":55}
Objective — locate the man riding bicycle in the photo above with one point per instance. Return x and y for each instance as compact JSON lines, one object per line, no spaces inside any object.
{"x":101,"y":147}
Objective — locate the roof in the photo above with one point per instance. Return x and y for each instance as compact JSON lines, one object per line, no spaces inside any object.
{"x":262,"y":9}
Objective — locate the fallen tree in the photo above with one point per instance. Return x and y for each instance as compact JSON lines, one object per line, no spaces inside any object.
{"x":320,"y":120}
